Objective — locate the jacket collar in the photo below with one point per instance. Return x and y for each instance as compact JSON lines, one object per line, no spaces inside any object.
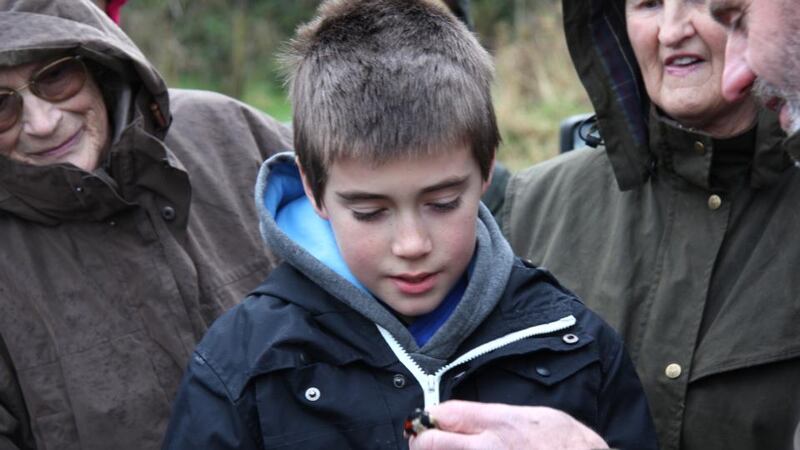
{"x":61,"y":193}
{"x":278,"y":333}
{"x":689,"y":153}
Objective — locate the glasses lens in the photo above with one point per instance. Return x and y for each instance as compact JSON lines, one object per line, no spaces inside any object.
{"x":10,"y":108}
{"x":60,"y":80}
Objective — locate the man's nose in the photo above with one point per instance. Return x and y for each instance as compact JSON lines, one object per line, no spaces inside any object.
{"x":39,"y":117}
{"x":411,"y":239}
{"x":737,"y":77}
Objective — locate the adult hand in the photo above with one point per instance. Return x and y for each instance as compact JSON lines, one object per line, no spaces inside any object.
{"x":470,"y":425}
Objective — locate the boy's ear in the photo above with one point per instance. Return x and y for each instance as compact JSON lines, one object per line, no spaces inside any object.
{"x":488,"y":180}
{"x":319,"y":209}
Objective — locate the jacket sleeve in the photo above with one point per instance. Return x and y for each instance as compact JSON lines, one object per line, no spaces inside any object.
{"x":226,"y":125}
{"x":204,"y":416}
{"x":271,"y":135}
{"x":15,"y":429}
{"x":623,"y":411}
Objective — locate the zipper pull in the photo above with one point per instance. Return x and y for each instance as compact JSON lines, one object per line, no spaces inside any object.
{"x":431,"y":392}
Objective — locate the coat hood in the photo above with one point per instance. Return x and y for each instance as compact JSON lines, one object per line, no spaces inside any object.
{"x":598,"y":43}
{"x":294,"y":232}
{"x":136,"y":98}
{"x":33,"y":29}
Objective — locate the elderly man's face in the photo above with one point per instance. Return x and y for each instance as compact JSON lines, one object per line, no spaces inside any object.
{"x":763,"y":53}
{"x":58,"y":120}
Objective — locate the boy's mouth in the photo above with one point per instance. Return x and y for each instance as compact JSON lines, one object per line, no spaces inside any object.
{"x":414,"y":284}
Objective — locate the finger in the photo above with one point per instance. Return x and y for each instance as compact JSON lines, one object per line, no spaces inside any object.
{"x":463,"y":417}
{"x":439,"y":439}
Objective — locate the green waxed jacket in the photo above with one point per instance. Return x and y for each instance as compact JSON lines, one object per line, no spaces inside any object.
{"x":702,"y":281}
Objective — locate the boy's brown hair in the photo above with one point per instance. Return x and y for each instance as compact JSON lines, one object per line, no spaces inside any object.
{"x":385,"y":79}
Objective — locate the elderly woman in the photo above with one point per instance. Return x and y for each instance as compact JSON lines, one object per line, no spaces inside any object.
{"x":679,"y":228}
{"x":127,"y":227}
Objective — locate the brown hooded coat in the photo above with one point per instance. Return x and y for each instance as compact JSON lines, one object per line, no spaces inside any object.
{"x":702,"y":281}
{"x":108,"y":279}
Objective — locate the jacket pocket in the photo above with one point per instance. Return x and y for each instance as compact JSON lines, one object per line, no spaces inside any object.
{"x":565,"y":379}
{"x":324,"y":406}
{"x":551,"y":367}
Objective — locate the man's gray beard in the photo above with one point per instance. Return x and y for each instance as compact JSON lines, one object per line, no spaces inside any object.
{"x":765,"y":91}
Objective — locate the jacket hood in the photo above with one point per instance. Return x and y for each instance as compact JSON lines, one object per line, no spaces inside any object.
{"x":294,"y":232}
{"x":34,"y":29}
{"x":136,"y":98}
{"x":603,"y":57}
{"x":598,"y":43}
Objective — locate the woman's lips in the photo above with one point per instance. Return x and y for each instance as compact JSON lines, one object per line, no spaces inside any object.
{"x":61,"y":149}
{"x":415,"y":284}
{"x":680,"y":65}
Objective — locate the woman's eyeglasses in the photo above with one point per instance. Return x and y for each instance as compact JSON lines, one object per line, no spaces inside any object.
{"x":58,"y":81}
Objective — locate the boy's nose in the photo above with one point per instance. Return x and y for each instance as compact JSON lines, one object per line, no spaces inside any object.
{"x":39,"y":117}
{"x":411,"y":239}
{"x":737,"y":77}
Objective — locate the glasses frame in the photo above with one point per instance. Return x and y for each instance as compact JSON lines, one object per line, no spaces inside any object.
{"x":31,"y":84}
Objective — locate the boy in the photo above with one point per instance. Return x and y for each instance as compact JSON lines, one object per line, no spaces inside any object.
{"x":398,"y":290}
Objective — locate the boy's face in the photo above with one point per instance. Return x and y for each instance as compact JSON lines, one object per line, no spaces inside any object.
{"x":406,"y":229}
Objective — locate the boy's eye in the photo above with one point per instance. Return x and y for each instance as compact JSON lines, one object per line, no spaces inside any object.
{"x":446,"y":206}
{"x":366,"y":216}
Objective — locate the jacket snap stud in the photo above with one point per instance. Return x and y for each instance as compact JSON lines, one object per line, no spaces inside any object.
{"x":399,"y":381}
{"x":714,"y":202}
{"x":168,"y":213}
{"x":673,"y":371}
{"x":570,"y":338}
{"x":699,"y":147}
{"x":78,"y":189}
{"x":312,"y":394}
{"x":543,"y":371}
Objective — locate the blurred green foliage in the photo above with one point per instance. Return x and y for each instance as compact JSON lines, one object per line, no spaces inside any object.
{"x":230,"y":46}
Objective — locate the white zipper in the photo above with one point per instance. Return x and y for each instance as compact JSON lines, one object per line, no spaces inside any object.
{"x":430,"y":383}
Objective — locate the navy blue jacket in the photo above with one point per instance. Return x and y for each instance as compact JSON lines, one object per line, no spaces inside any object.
{"x":292,"y":367}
